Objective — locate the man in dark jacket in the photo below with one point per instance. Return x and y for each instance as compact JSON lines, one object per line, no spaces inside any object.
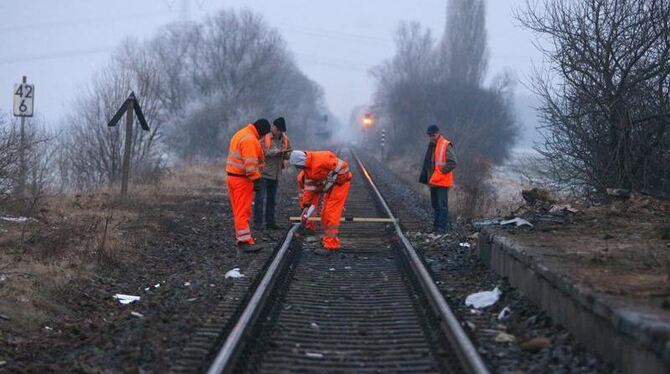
{"x":437,"y":172}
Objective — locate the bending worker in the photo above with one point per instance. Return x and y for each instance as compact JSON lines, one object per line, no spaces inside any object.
{"x":327,"y":175}
{"x":276,"y":148}
{"x":245,"y":158}
{"x":438,"y":174}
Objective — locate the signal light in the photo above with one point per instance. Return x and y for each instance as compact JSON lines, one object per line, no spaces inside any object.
{"x":367,"y":120}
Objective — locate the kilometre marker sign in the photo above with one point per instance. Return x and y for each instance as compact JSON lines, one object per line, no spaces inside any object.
{"x":23,"y":99}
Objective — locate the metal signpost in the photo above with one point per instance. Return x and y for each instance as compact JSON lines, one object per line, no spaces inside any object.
{"x":129,"y":106}
{"x":383,"y":141}
{"x":24,"y":95}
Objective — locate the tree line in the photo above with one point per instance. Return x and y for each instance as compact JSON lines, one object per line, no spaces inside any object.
{"x":430,"y":81}
{"x":196,"y":82}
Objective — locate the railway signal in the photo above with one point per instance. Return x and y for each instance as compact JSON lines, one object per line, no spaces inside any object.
{"x":128,"y":107}
{"x":367,"y":120}
{"x":24,"y":95}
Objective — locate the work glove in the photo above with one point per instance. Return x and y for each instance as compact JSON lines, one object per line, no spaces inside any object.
{"x":257,"y":185}
{"x":306,"y":213}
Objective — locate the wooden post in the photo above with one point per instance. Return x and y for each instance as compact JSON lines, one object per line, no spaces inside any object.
{"x":125,"y":172}
{"x":21,"y":188}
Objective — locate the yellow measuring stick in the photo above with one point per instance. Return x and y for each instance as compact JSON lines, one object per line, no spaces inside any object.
{"x":350,"y":219}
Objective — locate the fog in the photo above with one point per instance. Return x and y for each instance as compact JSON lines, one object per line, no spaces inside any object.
{"x":60,"y":47}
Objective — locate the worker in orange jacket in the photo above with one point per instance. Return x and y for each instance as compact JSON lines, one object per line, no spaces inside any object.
{"x":245,"y":159}
{"x":327,"y":175}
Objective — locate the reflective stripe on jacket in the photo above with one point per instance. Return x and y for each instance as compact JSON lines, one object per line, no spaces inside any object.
{"x":318,"y":167}
{"x":439,"y":178}
{"x":245,"y":155}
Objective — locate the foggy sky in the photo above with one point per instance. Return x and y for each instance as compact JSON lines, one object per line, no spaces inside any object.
{"x":59,"y":44}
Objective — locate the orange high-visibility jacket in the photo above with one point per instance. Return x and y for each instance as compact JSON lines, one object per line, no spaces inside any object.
{"x":318,"y":166}
{"x":245,"y":155}
{"x":439,"y":178}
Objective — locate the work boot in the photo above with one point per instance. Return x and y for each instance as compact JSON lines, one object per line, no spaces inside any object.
{"x":248,"y":248}
{"x":273,"y":226}
{"x":323,"y":252}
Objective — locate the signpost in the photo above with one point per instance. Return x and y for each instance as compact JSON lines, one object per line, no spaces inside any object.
{"x":130,"y":106}
{"x":24,"y":95}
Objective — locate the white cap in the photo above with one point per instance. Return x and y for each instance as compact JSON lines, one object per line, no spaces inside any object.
{"x":297,"y":158}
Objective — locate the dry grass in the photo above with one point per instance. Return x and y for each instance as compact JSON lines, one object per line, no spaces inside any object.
{"x":74,"y":236}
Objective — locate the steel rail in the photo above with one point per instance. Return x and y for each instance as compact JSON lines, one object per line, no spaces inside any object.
{"x":451,"y":327}
{"x":227,"y":354}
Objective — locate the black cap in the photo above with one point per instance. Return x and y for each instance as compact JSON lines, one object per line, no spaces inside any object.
{"x":432,"y":129}
{"x":280,"y":123}
{"x":262,"y":126}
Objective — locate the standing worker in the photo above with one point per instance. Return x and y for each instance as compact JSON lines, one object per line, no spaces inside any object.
{"x":276,"y":147}
{"x":438,"y":174}
{"x":327,"y":175}
{"x":245,"y":158}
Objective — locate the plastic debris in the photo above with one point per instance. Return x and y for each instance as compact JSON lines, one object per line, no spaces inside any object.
{"x":483,"y":299}
{"x":137,"y":314}
{"x":464,"y":245}
{"x":505,"y":338}
{"x":517,"y":222}
{"x":192,"y":299}
{"x":126,"y":299}
{"x":347,"y":268}
{"x":475,"y":311}
{"x":332,"y":269}
{"x":186,"y":284}
{"x":480,"y":223}
{"x":48,"y":328}
{"x":157,"y":285}
{"x":315,"y":325}
{"x":17,"y":219}
{"x":235,"y":274}
{"x":504,"y":314}
{"x":314,"y":354}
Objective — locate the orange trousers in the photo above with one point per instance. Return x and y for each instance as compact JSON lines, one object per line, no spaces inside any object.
{"x":333,"y":206}
{"x":241,"y":194}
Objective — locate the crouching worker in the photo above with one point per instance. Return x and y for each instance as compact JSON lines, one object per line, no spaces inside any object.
{"x":245,"y":158}
{"x":328,"y":176}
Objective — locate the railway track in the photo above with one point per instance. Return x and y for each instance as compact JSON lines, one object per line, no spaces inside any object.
{"x":372,"y":307}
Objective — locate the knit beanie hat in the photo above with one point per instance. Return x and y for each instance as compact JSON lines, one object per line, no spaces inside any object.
{"x":262,"y":126}
{"x":280,"y":123}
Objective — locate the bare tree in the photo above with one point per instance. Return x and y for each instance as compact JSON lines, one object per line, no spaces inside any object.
{"x":463,"y":51}
{"x":606,"y":91}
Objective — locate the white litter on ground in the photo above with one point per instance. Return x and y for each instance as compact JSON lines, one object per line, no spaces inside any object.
{"x":157,"y":285}
{"x":483,"y":299}
{"x":517,"y":222}
{"x":347,"y":268}
{"x":186,"y":284}
{"x":126,"y":299}
{"x":137,"y":314}
{"x":48,"y":328}
{"x":464,"y":245}
{"x":16,"y":219}
{"x":332,"y":269}
{"x":235,"y":274}
{"x":505,"y":338}
{"x":504,"y":314}
{"x":314,"y":354}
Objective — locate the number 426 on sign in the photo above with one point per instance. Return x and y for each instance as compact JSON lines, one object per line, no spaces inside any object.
{"x":23,"y":99}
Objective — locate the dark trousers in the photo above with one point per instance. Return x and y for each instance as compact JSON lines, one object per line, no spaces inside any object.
{"x":439,"y":199}
{"x":266,"y":197}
